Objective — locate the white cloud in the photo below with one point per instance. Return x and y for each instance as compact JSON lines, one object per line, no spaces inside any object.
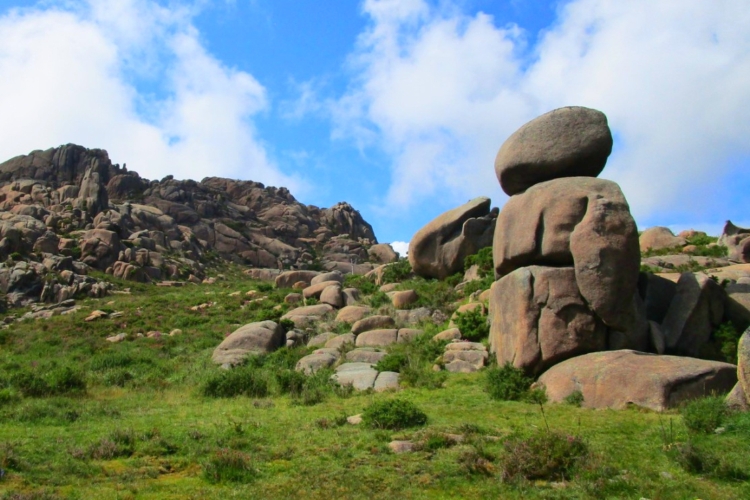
{"x":402,"y":247}
{"x":76,"y":73}
{"x":440,"y":91}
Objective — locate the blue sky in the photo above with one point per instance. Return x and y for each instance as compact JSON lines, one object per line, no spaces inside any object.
{"x":396,"y":106}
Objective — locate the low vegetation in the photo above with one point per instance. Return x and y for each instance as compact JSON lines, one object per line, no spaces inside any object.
{"x":81,"y":417}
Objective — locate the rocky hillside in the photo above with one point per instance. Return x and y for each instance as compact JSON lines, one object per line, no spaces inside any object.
{"x":69,"y":209}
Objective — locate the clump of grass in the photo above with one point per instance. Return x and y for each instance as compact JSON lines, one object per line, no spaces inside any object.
{"x":704,"y":415}
{"x":697,"y":459}
{"x":393,"y":362}
{"x":245,"y":381}
{"x":483,"y":260}
{"x":476,"y":460}
{"x":64,"y":380}
{"x":507,"y":383}
{"x":550,"y":456}
{"x":472,"y":324}
{"x":119,"y":443}
{"x":393,"y":414}
{"x":229,"y":466}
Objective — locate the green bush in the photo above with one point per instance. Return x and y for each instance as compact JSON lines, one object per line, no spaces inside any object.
{"x":575,"y":398}
{"x":697,"y":459}
{"x":378,"y":299}
{"x":227,"y":465}
{"x":393,"y":362}
{"x":704,"y":415}
{"x":29,"y":384}
{"x":66,"y":380}
{"x":507,"y":383}
{"x":483,"y":259}
{"x":290,"y":382}
{"x":473,"y":325}
{"x":479,"y":285}
{"x":393,"y":414}
{"x":396,"y":272}
{"x":422,"y":376}
{"x":727,"y":337}
{"x":550,"y":456}
{"x":366,"y":286}
{"x":235,"y":382}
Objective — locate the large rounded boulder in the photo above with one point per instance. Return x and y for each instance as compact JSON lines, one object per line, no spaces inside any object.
{"x":438,"y":249}
{"x":262,"y":337}
{"x":566,"y":142}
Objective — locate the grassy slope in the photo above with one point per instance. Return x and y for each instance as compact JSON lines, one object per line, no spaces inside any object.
{"x":297,"y":451}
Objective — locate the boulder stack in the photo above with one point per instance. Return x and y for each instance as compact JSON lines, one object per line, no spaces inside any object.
{"x":565,"y":249}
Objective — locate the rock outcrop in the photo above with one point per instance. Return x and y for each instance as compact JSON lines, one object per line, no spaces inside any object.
{"x":737,"y":240}
{"x":438,"y":249}
{"x":565,"y":247}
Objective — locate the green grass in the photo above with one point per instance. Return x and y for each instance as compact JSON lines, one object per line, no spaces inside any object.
{"x":142,"y":428}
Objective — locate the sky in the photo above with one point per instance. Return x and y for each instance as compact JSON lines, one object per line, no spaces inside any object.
{"x":395,"y":106}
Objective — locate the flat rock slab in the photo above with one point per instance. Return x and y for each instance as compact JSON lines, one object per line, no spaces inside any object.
{"x":377,"y":338}
{"x":386,"y":381}
{"x":365,"y":356}
{"x":616,"y":379}
{"x":314,"y":362}
{"x":461,"y":366}
{"x":360,"y":379}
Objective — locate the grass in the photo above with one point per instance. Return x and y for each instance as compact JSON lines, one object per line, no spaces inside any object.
{"x":152,"y":434}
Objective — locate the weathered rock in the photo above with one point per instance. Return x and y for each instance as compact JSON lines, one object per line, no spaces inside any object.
{"x":449,"y":334}
{"x":737,"y":400}
{"x":307,"y":315}
{"x":314,"y":362}
{"x":737,"y":305}
{"x":538,"y":318}
{"x":737,"y":241}
{"x":566,"y":142}
{"x":321,"y":339}
{"x":382,"y":253}
{"x":439,"y":249}
{"x":399,"y":447}
{"x":261,"y":337}
{"x":340,"y":340}
{"x":460,"y":366}
{"x":352,"y":314}
{"x":289,"y":278}
{"x":361,"y":376}
{"x":580,"y":222}
{"x":659,"y":238}
{"x":372,"y":323}
{"x":386,"y":381}
{"x":326,"y":277}
{"x":696,"y":310}
{"x":332,"y":295}
{"x":377,"y":338}
{"x":475,"y":358}
{"x":317,"y":289}
{"x":657,"y":293}
{"x":616,"y":379}
{"x":404,"y":298}
{"x":293,"y":298}
{"x":414,"y":316}
{"x":409,"y":334}
{"x":100,"y":248}
{"x":365,"y":355}
{"x":351,"y":296}
{"x":743,"y":363}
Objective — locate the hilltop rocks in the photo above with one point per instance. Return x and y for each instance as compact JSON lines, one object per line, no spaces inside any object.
{"x":566,"y":142}
{"x":616,"y":379}
{"x":255,"y":338}
{"x":438,"y":250}
{"x":382,"y":253}
{"x":737,"y":240}
{"x":659,"y":238}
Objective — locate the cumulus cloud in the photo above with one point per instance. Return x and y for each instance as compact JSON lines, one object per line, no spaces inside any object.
{"x":440,"y":90}
{"x":402,"y":247}
{"x":132,"y":77}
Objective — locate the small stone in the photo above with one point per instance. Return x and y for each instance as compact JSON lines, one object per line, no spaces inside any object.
{"x":96,"y":315}
{"x":449,"y":334}
{"x":175,"y":332}
{"x":354,"y":419}
{"x":399,"y":447}
{"x":235,"y":294}
{"x":154,"y":335}
{"x":116,"y":339}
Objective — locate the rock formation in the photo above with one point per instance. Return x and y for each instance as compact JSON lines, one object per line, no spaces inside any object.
{"x":737,"y":240}
{"x":565,"y":247}
{"x":73,"y":202}
{"x":438,"y":249}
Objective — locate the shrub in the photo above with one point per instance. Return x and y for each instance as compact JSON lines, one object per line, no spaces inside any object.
{"x":473,"y":325}
{"x":290,"y":382}
{"x":365,"y":285}
{"x":476,"y":460}
{"x":29,"y":384}
{"x":66,"y":380}
{"x":423,"y":377}
{"x":393,"y":362}
{"x":396,"y":272}
{"x":378,"y":299}
{"x":393,"y":414}
{"x":479,"y":285}
{"x":550,"y":456}
{"x":696,"y":459}
{"x":704,"y":415}
{"x":575,"y":398}
{"x":483,"y":259}
{"x":228,"y":465}
{"x":727,"y":336}
{"x":235,"y":382}
{"x":507,"y":383}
